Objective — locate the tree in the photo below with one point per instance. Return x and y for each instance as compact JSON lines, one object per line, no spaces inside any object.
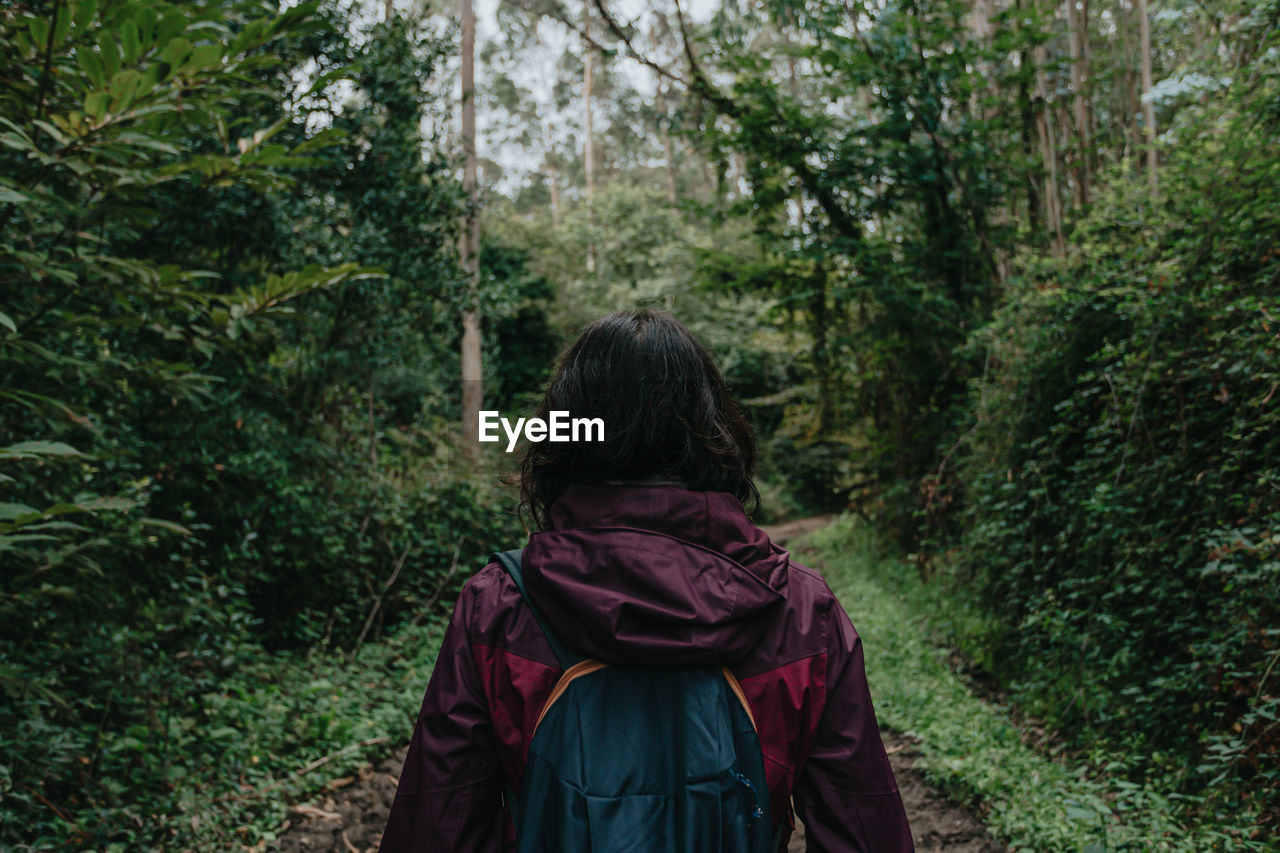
{"x":588,"y":131}
{"x":1078,"y":44}
{"x":472,"y":372}
{"x":1049,"y":155}
{"x":1148,"y":101}
{"x":228,"y":248}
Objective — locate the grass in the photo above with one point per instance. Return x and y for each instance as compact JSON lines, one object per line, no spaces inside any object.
{"x":269,"y":730}
{"x":307,"y":719}
{"x":973,"y":750}
{"x":281,"y":724}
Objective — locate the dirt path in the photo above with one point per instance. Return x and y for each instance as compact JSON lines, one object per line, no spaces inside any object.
{"x":788,"y":530}
{"x":349,"y":816}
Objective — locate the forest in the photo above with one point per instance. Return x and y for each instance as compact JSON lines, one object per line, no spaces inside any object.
{"x":996,"y":281}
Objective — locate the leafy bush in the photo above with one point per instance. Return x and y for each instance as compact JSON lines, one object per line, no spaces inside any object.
{"x":213,"y":742}
{"x":208,"y":447}
{"x":971,"y":747}
{"x":1121,"y":509}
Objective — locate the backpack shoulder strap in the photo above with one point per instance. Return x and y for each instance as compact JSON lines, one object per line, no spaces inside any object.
{"x":511,"y":561}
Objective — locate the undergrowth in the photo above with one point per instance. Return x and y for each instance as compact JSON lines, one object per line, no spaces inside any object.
{"x":272,"y":729}
{"x":974,"y":751}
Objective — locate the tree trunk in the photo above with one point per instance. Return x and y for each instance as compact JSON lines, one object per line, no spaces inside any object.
{"x":1126,"y":96}
{"x":740,"y":187}
{"x":982,"y":33}
{"x":472,"y":390}
{"x":588,"y":152}
{"x":668,"y":161}
{"x":1077,"y":39}
{"x":669,"y":164}
{"x":1148,"y":105}
{"x":1049,"y":152}
{"x":1026,"y":108}
{"x":553,"y":184}
{"x":821,"y":352}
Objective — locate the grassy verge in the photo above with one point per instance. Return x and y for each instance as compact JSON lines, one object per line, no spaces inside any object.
{"x":972,"y":749}
{"x":245,"y":734}
{"x":298,"y":722}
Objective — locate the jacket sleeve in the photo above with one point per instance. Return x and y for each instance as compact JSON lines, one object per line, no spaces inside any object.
{"x":449,"y":796}
{"x":845,"y":794}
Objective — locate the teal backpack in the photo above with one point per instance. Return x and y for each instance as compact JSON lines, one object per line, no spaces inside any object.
{"x":634,"y":760}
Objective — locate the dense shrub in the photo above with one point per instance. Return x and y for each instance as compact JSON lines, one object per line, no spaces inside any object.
{"x":970,"y":746}
{"x":217,"y":266}
{"x":1122,"y":485}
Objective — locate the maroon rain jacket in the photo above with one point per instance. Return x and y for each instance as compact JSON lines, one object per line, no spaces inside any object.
{"x":650,"y":575}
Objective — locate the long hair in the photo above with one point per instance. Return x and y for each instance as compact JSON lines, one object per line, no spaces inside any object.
{"x":666,"y":409}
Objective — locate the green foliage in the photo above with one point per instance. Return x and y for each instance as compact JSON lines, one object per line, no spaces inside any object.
{"x":213,"y":741}
{"x":1120,"y":486}
{"x":226,"y":360}
{"x":866,"y":168}
{"x":524,"y":344}
{"x":976,"y":752}
{"x":647,"y":250}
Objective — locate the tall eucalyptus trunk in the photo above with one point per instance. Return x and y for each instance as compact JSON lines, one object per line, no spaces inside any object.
{"x":668,"y":160}
{"x":588,"y":154}
{"x":1049,"y":153}
{"x":472,"y":389}
{"x":1077,"y":43}
{"x":1148,"y":105}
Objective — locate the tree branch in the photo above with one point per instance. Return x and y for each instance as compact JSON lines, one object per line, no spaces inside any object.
{"x":621,"y":35}
{"x":791,"y":152}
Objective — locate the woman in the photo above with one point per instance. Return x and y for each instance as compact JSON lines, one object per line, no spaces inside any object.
{"x":645,"y":555}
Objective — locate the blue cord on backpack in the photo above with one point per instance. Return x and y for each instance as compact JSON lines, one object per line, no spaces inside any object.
{"x":756,"y":812}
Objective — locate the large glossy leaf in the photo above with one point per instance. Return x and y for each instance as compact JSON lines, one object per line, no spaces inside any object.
{"x":36,"y":449}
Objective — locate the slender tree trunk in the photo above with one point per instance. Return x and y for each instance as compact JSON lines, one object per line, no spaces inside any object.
{"x":792,"y":77}
{"x":1148,"y":105}
{"x":1124,"y":103}
{"x":1028,"y":124}
{"x":472,"y":390}
{"x":1086,"y":58}
{"x":1077,"y":38}
{"x":668,"y":161}
{"x":982,"y":33}
{"x":553,"y":184}
{"x":553,"y":175}
{"x":821,"y":351}
{"x":1048,"y":150}
{"x":387,"y":10}
{"x":588,"y":152}
{"x":740,"y":189}
{"x":669,"y":164}
{"x":1028,"y":130}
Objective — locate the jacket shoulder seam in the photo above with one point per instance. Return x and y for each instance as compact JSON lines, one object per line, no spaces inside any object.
{"x":503,"y":648}
{"x":773,"y":666}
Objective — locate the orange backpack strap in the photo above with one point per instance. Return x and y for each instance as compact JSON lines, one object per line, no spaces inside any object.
{"x":742,"y":697}
{"x":574,"y":672}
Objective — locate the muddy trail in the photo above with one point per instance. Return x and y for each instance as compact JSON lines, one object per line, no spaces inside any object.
{"x":349,"y":815}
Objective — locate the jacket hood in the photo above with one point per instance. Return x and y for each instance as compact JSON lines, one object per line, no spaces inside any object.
{"x":654,"y":575}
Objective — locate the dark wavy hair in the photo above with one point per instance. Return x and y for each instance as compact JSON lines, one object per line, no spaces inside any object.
{"x":667,"y":414}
